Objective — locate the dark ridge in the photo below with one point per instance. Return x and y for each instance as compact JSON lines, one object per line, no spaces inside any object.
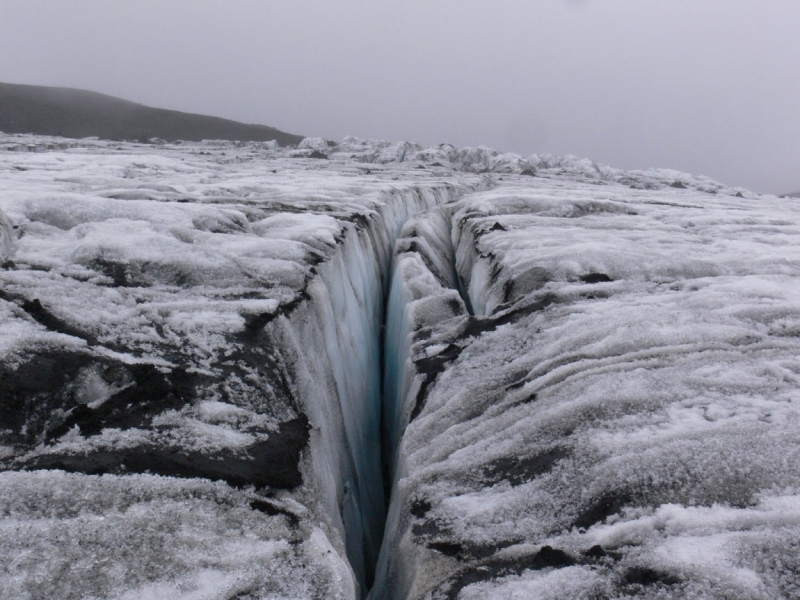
{"x":603,"y":508}
{"x":268,"y":508}
{"x":430,"y":368}
{"x":273,"y":462}
{"x":38,"y":388}
{"x":360,"y":220}
{"x":477,"y":325}
{"x":463,"y":550}
{"x":466,"y":552}
{"x":546,"y":557}
{"x":151,"y":393}
{"x":631,"y":581}
{"x":42,"y":397}
{"x":42,"y":400}
{"x":597,"y":554}
{"x":447,"y":548}
{"x":678,"y":184}
{"x":420,"y":507}
{"x":75,"y":113}
{"x":518,"y":470}
{"x":595,"y":278}
{"x":255,"y":324}
{"x":596,"y":551}
{"x":428,"y":528}
{"x":645,"y":576}
{"x":44,"y":317}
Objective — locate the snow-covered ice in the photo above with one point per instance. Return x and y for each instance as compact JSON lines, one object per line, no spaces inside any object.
{"x":217,"y":358}
{"x":620,"y":416}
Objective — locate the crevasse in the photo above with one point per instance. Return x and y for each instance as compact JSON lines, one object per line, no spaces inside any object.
{"x":425,"y":292}
{"x":333,"y":343}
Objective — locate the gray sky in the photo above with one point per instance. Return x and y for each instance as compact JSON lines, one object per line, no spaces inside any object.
{"x":707,"y":86}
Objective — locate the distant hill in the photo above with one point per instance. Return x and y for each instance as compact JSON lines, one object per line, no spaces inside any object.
{"x":794,"y":195}
{"x":79,"y":113}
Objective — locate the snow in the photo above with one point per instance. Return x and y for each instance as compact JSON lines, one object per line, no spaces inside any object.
{"x":579,"y":381}
{"x":141,"y":536}
{"x":318,"y":143}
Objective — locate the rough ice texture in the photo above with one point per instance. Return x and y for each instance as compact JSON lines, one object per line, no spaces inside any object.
{"x":620,"y":418}
{"x":143,"y":536}
{"x":589,"y":376}
{"x":208,"y":310}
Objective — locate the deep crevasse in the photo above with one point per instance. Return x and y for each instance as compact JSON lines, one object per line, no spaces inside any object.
{"x":426,"y":291}
{"x":423,"y":292}
{"x":342,"y":319}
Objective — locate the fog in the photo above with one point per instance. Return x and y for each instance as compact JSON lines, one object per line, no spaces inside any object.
{"x":706,"y":86}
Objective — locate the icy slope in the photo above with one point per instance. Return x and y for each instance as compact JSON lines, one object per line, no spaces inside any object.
{"x":621,"y":416}
{"x":218,"y":360}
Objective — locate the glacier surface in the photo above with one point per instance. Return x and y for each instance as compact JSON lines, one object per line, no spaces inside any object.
{"x":232,"y":370}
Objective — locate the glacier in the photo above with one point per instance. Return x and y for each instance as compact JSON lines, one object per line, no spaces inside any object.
{"x":367,"y":368}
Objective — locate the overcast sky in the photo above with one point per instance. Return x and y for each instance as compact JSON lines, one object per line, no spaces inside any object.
{"x":706,"y":86}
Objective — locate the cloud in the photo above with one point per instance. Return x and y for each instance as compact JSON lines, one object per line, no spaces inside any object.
{"x":708,"y":87}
